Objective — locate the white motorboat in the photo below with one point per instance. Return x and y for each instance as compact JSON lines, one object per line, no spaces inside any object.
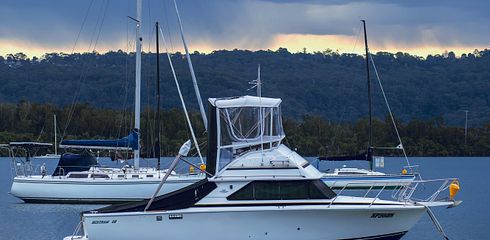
{"x":257,"y":188}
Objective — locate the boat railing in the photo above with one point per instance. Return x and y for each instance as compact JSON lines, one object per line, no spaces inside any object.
{"x":416,"y":191}
{"x":76,"y":231}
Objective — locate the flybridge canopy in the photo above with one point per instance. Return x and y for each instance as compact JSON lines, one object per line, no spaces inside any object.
{"x":241,"y":125}
{"x":245,"y":101}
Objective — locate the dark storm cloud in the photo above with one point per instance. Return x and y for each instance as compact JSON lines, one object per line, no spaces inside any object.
{"x":249,"y":23}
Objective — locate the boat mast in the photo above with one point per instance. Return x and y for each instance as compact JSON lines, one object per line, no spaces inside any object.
{"x":55,"y":141}
{"x":157,"y":144}
{"x":370,"y":141}
{"x":137,"y":94}
{"x":191,"y":68}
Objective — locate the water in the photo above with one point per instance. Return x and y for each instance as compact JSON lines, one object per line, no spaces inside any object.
{"x":468,"y":221}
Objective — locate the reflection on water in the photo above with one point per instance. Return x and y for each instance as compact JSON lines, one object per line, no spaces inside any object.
{"x":468,"y":221}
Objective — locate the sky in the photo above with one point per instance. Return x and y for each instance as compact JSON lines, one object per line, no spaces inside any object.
{"x":419,"y":27}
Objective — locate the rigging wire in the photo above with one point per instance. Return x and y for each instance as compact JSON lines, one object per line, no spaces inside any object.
{"x":181,"y":97}
{"x":81,"y":28}
{"x":167,"y":24}
{"x":390,"y":112}
{"x":337,"y":127}
{"x":85,"y":65}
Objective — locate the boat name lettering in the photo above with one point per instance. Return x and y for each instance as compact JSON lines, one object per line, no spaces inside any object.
{"x":175,"y":216}
{"x":100,"y":222}
{"x":382,"y":215}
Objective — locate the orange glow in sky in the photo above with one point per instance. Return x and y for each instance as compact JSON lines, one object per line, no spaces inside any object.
{"x":293,"y":42}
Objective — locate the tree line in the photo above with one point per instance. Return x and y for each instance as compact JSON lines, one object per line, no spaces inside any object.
{"x":310,"y":135}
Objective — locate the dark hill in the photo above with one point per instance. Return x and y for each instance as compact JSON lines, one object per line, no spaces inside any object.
{"x":327,"y":84}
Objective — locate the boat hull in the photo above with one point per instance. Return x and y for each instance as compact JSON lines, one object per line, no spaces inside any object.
{"x":268,"y":222}
{"x":91,"y":191}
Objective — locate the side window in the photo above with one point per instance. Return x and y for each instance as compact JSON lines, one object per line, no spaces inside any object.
{"x":294,"y":190}
{"x":98,"y":175}
{"x":267,"y":190}
{"x":77,"y":175}
{"x":245,"y":193}
{"x":283,"y":190}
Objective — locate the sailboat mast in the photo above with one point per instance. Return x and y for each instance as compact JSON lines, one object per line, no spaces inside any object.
{"x":55,"y":138}
{"x":191,"y":68}
{"x":137,"y":94}
{"x":370,"y":141}
{"x":157,"y":144}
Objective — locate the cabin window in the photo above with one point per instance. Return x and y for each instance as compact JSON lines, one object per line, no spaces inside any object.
{"x":77,"y":175}
{"x":120,"y":176}
{"x":98,"y":175}
{"x":294,"y":190}
{"x":283,"y":190}
{"x":149,"y":176}
{"x":135,"y":176}
{"x":351,"y":173}
{"x":245,"y":193}
{"x":267,"y":190}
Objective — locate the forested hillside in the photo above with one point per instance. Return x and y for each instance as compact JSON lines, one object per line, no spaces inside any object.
{"x":326,"y":84}
{"x":310,"y":135}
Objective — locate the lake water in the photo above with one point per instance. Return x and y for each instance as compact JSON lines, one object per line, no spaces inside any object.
{"x":468,"y":221}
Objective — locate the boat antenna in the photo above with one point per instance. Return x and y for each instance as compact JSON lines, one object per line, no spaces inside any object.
{"x":137,"y":93}
{"x":157,"y":144}
{"x":191,"y":68}
{"x":257,"y":83}
{"x":370,"y":141}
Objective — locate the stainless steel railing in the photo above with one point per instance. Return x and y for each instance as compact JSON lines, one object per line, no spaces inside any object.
{"x":401,"y":192}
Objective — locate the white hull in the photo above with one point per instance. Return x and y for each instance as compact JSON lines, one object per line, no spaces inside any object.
{"x":52,"y":189}
{"x":265,"y":222}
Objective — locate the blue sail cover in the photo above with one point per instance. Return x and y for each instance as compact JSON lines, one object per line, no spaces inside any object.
{"x":130,"y":141}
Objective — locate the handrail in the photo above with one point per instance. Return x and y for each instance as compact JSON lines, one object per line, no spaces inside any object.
{"x":401,"y":193}
{"x":77,"y":229}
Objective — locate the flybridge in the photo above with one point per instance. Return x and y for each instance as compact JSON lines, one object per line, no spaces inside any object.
{"x":245,"y":134}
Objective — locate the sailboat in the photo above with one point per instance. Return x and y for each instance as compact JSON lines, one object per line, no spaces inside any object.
{"x":348,"y":178}
{"x":358,"y":178}
{"x":51,"y":155}
{"x":79,"y":179}
{"x":255,"y":188}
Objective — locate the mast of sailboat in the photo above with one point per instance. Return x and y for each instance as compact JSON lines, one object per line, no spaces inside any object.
{"x":55,"y":138}
{"x":370,"y":141}
{"x":137,"y":94}
{"x":191,"y":68}
{"x":157,"y":144}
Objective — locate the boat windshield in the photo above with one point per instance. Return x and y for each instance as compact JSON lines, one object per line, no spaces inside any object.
{"x":250,"y":125}
{"x":248,"y":128}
